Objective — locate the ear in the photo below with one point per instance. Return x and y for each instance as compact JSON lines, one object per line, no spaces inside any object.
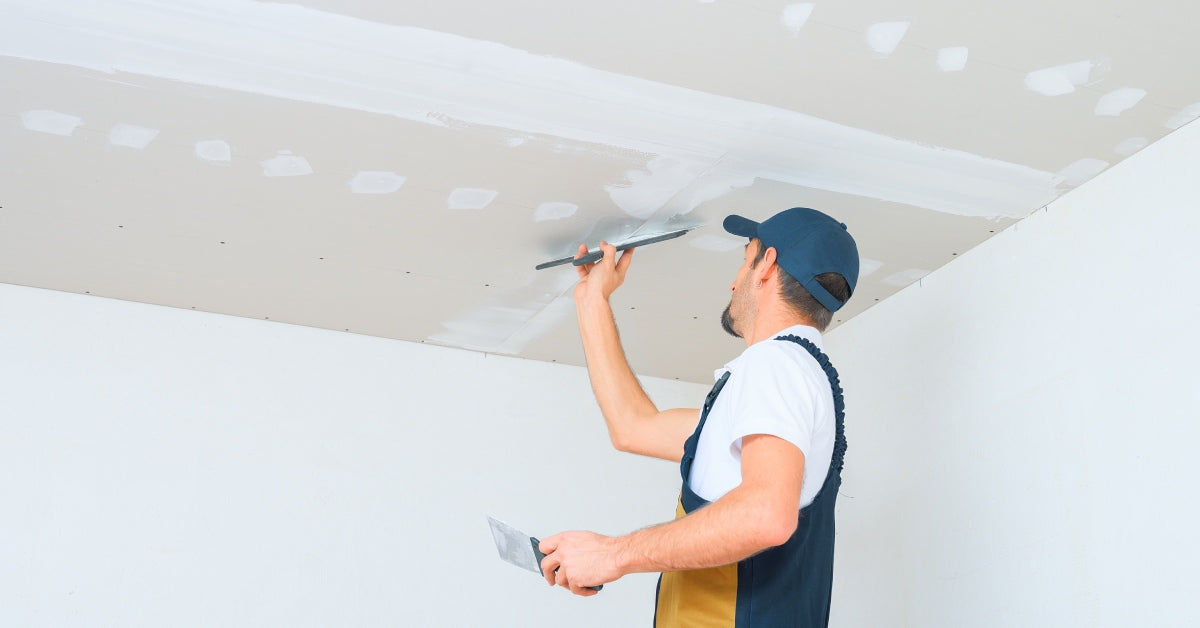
{"x":765,"y":268}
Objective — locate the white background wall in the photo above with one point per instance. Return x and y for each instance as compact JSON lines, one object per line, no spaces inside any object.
{"x":163,"y":467}
{"x":1023,"y":423}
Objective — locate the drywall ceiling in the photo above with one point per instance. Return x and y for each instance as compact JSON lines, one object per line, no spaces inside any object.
{"x":398,"y":168}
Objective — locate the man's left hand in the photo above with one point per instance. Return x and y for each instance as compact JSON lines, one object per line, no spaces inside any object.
{"x":578,"y":560}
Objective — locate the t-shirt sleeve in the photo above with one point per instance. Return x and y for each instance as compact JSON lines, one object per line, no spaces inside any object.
{"x":772,"y":394}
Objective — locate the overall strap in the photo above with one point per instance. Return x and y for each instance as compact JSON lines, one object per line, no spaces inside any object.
{"x":689,"y":446}
{"x":839,"y":405}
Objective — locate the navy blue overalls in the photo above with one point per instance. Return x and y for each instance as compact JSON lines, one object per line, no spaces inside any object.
{"x":789,"y":585}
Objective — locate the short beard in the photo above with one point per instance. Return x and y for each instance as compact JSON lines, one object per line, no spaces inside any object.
{"x":727,"y":323}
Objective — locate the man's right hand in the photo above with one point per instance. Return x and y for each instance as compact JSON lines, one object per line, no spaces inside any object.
{"x":600,"y":280}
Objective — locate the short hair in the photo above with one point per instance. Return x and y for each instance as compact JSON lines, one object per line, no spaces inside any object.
{"x":799,"y":299}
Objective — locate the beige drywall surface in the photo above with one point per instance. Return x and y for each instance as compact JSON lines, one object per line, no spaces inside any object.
{"x":397,"y":169}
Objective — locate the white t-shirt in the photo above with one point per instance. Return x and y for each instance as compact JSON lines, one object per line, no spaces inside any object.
{"x":775,"y":387}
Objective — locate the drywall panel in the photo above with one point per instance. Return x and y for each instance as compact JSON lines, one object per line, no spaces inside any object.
{"x":167,"y":467}
{"x":1022,"y":421}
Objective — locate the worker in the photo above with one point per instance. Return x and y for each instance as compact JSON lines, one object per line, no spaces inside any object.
{"x":752,"y":541}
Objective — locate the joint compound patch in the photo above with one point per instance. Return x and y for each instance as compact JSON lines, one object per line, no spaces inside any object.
{"x":470,"y":198}
{"x":131,"y":136}
{"x":1118,"y":101}
{"x":554,"y":211}
{"x":217,"y":151}
{"x":376,"y":182}
{"x":52,"y":122}
{"x":285,"y":164}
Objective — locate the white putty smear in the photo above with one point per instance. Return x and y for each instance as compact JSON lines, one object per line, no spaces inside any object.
{"x":883,"y":37}
{"x":1185,"y":115}
{"x":704,"y":145}
{"x":52,"y":122}
{"x":214,"y":151}
{"x":1118,"y":101}
{"x":131,"y":136}
{"x":1060,"y":79}
{"x":953,"y":58}
{"x":1130,"y":146}
{"x":866,"y":266}
{"x":376,"y":182}
{"x":470,"y":198}
{"x":285,"y":164}
{"x":795,"y":16}
{"x":717,"y":243}
{"x":1082,"y":170}
{"x":509,"y":322}
{"x":554,"y":210}
{"x":905,"y":277}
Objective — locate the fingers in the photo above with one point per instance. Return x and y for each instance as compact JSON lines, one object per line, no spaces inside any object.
{"x":583,"y":270}
{"x":550,"y":563}
{"x":582,"y":591}
{"x":549,"y":570}
{"x":623,"y":263}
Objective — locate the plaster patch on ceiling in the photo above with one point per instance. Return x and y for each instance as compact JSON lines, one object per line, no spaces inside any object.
{"x":131,"y":136}
{"x":1130,"y":146}
{"x":376,"y":182}
{"x":716,"y":243}
{"x":953,"y":59}
{"x":554,"y":210}
{"x":428,"y":77}
{"x":1062,"y":79}
{"x":688,"y":182}
{"x":52,"y":122}
{"x":905,"y":277}
{"x":285,"y":164}
{"x":1082,"y":170}
{"x":510,"y":321}
{"x":1118,"y":101}
{"x":1185,"y":115}
{"x":867,"y":266}
{"x":215,"y":151}
{"x":470,"y":198}
{"x":883,"y":37}
{"x":794,"y":16}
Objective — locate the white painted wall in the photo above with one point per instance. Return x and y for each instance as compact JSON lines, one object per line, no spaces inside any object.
{"x":163,"y":467}
{"x":1023,"y":423}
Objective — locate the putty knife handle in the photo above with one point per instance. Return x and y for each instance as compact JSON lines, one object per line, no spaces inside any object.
{"x":537,"y":553}
{"x":590,"y":258}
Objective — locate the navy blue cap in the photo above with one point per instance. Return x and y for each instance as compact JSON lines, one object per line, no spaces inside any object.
{"x":807,"y":243}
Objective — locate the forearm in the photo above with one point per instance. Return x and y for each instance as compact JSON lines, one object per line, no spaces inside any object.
{"x":618,"y":392}
{"x":730,"y":529}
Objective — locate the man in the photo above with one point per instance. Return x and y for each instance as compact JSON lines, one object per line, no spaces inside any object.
{"x":752,"y":542}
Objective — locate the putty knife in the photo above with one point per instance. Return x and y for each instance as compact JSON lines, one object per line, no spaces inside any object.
{"x":518,"y":548}
{"x":597,"y":255}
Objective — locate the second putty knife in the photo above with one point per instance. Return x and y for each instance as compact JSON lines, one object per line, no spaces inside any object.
{"x":518,"y":548}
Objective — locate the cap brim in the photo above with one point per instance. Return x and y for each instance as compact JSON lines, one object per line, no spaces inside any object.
{"x":740,"y":226}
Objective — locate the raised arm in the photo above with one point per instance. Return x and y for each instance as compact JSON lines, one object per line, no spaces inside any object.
{"x":635,"y":424}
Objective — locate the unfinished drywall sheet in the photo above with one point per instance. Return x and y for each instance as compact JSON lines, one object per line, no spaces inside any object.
{"x":1032,"y":464}
{"x":396,"y":169}
{"x":168,"y":467}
